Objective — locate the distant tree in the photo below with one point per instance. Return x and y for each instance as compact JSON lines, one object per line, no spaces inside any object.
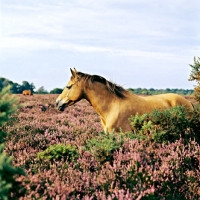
{"x":27,"y":86}
{"x":56,"y":91}
{"x":32,"y":87}
{"x":4,"y":82}
{"x":195,"y":76}
{"x":42,"y":90}
{"x":15,"y":87}
{"x":139,"y":90}
{"x":145,"y":91}
{"x":1,"y":83}
{"x":152,"y":91}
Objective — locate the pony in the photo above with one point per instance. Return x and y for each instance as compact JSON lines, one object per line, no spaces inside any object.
{"x":27,"y":92}
{"x":113,"y":103}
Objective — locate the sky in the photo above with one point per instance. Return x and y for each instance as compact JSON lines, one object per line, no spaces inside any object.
{"x":134,"y":43}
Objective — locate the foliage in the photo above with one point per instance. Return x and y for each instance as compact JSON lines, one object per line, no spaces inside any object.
{"x":168,"y":125}
{"x":15,"y":87}
{"x":8,"y":105}
{"x":58,"y":151}
{"x":152,"y":91}
{"x":104,"y":145}
{"x":195,"y":76}
{"x":56,"y":91}
{"x":41,"y":90}
{"x":27,"y":86}
{"x":9,"y":186}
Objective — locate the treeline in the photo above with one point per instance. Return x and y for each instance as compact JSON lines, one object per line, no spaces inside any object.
{"x":15,"y":87}
{"x":153,"y":91}
{"x":18,"y":89}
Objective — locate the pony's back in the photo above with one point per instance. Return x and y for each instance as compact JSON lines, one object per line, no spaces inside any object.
{"x":27,"y":92}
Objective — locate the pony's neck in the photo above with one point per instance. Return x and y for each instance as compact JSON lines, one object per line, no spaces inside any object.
{"x":100,"y":98}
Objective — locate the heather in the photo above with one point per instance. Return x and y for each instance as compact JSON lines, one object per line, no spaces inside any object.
{"x":66,"y":155}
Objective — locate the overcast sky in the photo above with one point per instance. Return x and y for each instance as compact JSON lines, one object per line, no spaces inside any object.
{"x":134,"y":43}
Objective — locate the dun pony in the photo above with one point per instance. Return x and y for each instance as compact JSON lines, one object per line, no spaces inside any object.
{"x":112,"y":102}
{"x":27,"y":92}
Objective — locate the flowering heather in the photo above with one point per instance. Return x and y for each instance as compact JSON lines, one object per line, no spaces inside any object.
{"x":135,"y":169}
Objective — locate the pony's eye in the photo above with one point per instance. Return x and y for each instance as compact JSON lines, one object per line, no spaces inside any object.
{"x":68,"y":86}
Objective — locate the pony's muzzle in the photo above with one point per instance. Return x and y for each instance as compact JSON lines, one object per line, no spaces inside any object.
{"x":60,"y":105}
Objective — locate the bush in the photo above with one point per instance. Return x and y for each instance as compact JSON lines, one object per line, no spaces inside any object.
{"x":8,"y":105}
{"x":167,"y":126}
{"x":9,"y":187}
{"x":56,"y":91}
{"x":59,"y":151}
{"x":104,"y":145}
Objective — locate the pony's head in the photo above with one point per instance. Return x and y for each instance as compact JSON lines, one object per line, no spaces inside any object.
{"x":77,"y":88}
{"x":72,"y":93}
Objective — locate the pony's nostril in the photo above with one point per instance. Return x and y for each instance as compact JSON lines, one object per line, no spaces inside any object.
{"x":57,"y":102}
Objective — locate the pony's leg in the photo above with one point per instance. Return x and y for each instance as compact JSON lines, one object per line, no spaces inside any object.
{"x":106,"y":128}
{"x":104,"y":125}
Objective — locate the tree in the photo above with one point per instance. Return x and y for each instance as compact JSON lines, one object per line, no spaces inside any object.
{"x":151,"y":89}
{"x":25,"y":85}
{"x":4,"y":83}
{"x":15,"y":87}
{"x":9,"y":187}
{"x":195,"y":76}
{"x":56,"y":91}
{"x":42,"y":90}
{"x":32,"y":87}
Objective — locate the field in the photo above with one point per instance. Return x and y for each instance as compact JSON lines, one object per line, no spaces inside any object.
{"x":80,"y":169}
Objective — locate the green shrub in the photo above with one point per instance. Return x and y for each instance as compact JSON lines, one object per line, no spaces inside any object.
{"x":9,"y":187}
{"x":167,"y":125}
{"x":104,"y":145}
{"x":8,"y":105}
{"x":195,"y":76}
{"x":59,"y":151}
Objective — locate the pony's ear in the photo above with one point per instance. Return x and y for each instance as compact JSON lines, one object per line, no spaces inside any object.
{"x":73,"y":72}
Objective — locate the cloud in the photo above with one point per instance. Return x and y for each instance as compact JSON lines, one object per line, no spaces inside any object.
{"x":113,"y":24}
{"x":19,"y":44}
{"x":119,"y":33}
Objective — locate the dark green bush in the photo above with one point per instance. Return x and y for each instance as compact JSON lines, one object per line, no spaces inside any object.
{"x":8,"y":105}
{"x":59,"y":151}
{"x":167,"y":125}
{"x":9,"y":187}
{"x":104,"y":145}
